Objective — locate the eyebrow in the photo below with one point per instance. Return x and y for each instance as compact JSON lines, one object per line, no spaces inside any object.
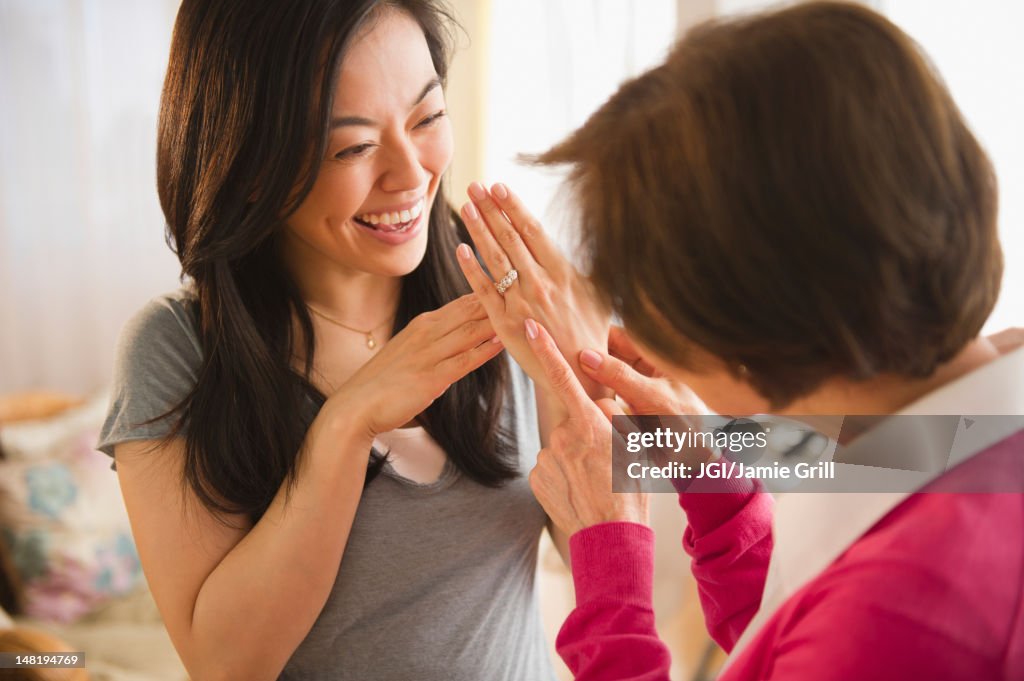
{"x":342,"y":121}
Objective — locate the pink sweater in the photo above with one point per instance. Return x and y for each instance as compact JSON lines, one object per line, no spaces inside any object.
{"x":933,"y":591}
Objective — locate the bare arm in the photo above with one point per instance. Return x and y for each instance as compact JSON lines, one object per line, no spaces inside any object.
{"x":237,"y":602}
{"x":549,"y":414}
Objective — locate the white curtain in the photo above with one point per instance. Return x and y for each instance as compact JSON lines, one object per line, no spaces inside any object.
{"x":81,"y":232}
{"x":551,"y":63}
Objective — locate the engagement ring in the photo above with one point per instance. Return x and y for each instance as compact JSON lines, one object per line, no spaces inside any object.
{"x":506,"y":281}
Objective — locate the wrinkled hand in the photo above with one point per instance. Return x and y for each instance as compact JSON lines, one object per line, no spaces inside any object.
{"x":417,"y":365}
{"x":635,"y":380}
{"x":549,"y":289}
{"x":573,"y":476}
{"x":646,"y":392}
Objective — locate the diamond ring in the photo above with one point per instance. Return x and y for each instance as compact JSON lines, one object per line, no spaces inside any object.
{"x":506,"y":281}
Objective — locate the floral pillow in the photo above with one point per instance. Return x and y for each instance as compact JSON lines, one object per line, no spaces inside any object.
{"x":63,"y":519}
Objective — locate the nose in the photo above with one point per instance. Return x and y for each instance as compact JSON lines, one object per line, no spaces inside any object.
{"x":403,"y":170}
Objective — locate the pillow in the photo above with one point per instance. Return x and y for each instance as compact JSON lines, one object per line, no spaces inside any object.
{"x":63,"y":518}
{"x":28,"y":432}
{"x":35,"y":404}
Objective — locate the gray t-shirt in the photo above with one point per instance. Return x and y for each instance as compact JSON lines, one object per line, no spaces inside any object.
{"x":437,"y":580}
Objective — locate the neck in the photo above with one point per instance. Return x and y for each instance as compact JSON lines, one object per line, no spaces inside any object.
{"x":358,"y":299}
{"x":888,"y":394}
{"x":362,"y":301}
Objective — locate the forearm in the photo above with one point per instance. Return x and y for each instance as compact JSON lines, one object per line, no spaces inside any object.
{"x":550,"y":412}
{"x":261,"y":600}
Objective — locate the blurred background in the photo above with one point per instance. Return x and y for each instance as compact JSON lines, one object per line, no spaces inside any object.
{"x":82,"y":247}
{"x":81,"y":233}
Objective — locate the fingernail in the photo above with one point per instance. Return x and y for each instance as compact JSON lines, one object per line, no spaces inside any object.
{"x":496,"y":340}
{"x":463,"y":252}
{"x":500,"y":190}
{"x":477,"y":191}
{"x":531,"y":329}
{"x":469,"y":211}
{"x":591,"y":359}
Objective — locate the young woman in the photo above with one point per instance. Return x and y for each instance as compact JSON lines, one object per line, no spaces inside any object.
{"x":302,"y":146}
{"x":791,"y":216}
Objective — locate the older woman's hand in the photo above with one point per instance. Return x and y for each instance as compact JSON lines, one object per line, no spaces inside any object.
{"x":573,"y":476}
{"x":548,"y":288}
{"x":636,"y":381}
{"x":647,"y":392}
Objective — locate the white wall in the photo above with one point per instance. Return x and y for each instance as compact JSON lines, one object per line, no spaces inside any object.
{"x":976,"y":46}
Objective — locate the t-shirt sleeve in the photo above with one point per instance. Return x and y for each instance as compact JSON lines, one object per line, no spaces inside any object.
{"x":156,"y":364}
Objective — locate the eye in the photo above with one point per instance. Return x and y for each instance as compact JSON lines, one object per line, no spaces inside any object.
{"x":354,"y":152}
{"x":431,"y":119}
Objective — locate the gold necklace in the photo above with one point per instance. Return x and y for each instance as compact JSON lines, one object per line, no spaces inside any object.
{"x":370,"y":341}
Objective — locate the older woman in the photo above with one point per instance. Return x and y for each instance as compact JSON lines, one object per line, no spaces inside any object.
{"x":789,"y":215}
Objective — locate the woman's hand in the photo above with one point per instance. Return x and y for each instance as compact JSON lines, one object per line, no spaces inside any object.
{"x":1007,"y":340}
{"x":636,"y":382}
{"x":548,"y":288}
{"x":418,"y":364}
{"x":573,"y":476}
{"x":646,"y":392}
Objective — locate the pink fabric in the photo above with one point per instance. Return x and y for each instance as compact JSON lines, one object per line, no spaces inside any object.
{"x":935,"y":590}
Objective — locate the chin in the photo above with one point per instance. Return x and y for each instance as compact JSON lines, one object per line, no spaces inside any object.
{"x":405,"y":260}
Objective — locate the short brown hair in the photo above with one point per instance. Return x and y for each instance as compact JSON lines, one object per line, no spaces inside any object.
{"x":795,"y":192}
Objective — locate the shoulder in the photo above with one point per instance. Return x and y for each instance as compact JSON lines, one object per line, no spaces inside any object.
{"x":165,"y":331}
{"x":156,"y":365}
{"x":167,"y":325}
{"x":915,"y":575}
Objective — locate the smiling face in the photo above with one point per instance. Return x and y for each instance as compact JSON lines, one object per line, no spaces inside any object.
{"x":390,"y":143}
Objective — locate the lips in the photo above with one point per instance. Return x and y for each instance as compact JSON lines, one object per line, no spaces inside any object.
{"x":405,"y":232}
{"x":392,"y":221}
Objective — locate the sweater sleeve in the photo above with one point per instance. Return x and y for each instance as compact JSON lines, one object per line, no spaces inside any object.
{"x":729,"y":539}
{"x":610,"y":635}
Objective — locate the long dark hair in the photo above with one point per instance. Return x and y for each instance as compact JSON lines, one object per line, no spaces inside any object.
{"x":244,"y":115}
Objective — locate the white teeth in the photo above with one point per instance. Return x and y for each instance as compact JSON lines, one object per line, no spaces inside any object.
{"x":393,"y":218}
